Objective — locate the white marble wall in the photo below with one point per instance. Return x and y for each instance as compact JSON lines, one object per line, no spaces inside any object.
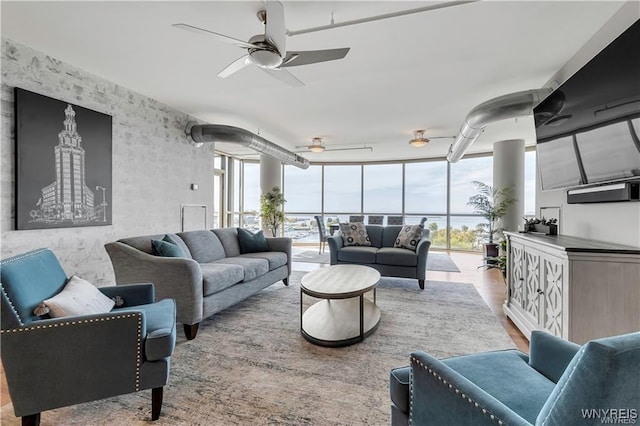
{"x":153,"y":162}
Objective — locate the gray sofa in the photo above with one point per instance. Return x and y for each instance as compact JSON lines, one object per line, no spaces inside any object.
{"x":213,"y":277}
{"x":389,"y":261}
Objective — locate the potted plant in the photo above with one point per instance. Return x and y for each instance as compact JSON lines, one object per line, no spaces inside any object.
{"x":271,"y":205}
{"x":492,"y":204}
{"x":499,"y":261}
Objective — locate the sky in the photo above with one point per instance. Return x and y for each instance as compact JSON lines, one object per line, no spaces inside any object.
{"x":425,"y":184}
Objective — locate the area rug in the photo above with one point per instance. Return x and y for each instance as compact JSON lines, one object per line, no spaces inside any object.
{"x":249,"y":365}
{"x":435,"y":261}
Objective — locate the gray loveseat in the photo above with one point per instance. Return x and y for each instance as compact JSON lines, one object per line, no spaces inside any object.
{"x":214,"y":276}
{"x":389,"y":261}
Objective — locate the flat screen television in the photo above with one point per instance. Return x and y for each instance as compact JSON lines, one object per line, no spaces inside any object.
{"x":588,"y":129}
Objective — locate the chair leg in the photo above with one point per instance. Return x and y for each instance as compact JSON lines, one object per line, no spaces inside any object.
{"x":32,"y":420}
{"x":190,"y":330}
{"x":285,"y":281}
{"x":421,"y":284}
{"x":156,"y":403}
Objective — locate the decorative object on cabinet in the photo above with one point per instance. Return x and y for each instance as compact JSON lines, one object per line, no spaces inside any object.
{"x":575,"y":288}
{"x":63,"y":164}
{"x":542,"y":226}
{"x":554,"y":212}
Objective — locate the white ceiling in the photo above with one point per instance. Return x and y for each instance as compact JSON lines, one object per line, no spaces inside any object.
{"x":421,"y":71}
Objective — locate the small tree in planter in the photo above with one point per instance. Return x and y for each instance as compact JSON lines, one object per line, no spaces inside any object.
{"x":492,"y":204}
{"x":271,"y":205}
{"x":499,"y":261}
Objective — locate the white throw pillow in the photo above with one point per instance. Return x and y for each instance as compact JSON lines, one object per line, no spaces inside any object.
{"x":78,"y":297}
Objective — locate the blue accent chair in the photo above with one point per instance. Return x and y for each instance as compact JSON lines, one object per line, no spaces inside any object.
{"x":558,"y":384}
{"x":57,"y":362}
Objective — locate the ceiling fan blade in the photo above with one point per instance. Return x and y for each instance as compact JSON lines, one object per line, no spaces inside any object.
{"x":235,"y":66}
{"x":294,"y":59}
{"x":284,"y":76}
{"x":275,"y":30}
{"x":370,"y":148}
{"x":220,"y":37}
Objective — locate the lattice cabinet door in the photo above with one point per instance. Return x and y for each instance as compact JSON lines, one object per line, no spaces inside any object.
{"x":516,"y":264}
{"x":532,"y":286}
{"x":553,"y":278}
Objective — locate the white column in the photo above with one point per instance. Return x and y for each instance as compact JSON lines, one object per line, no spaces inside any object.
{"x":508,"y":170}
{"x":270,"y":176}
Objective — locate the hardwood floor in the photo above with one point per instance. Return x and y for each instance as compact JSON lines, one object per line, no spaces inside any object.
{"x":489,"y":284}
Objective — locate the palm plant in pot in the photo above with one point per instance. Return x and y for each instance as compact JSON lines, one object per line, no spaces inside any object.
{"x":492,"y":204}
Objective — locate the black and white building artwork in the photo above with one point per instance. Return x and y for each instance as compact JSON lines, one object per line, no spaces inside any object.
{"x":63,"y":164}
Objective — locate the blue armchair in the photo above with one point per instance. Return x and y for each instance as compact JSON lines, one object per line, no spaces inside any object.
{"x":57,"y":362}
{"x":559,"y":384}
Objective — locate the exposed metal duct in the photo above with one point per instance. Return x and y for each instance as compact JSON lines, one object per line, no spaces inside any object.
{"x":507,"y":106}
{"x":230,"y":134}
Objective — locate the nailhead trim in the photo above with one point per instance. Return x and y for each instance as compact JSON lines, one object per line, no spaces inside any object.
{"x":87,"y":321}
{"x":139,"y":352}
{"x":25,"y":255}
{"x":410,"y":395}
{"x":62,"y":324}
{"x":450,"y":386}
{"x":13,"y":259}
{"x":13,"y":308}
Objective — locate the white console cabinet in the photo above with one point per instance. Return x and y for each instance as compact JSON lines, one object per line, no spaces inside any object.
{"x":574,"y":288}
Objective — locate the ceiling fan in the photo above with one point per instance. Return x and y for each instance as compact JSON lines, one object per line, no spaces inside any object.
{"x":268,"y":50}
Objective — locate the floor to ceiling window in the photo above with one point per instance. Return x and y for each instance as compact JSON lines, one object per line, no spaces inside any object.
{"x":433,"y":189}
{"x":530,"y":183}
{"x":303,"y":189}
{"x":465,"y":231}
{"x":382,"y":189}
{"x":342,"y":190}
{"x":425,"y":195}
{"x":251,"y":196}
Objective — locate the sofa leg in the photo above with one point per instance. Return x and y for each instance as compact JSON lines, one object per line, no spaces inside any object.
{"x":32,"y":420}
{"x":190,"y":330}
{"x":421,"y":284}
{"x":156,"y":403}
{"x":286,"y":281}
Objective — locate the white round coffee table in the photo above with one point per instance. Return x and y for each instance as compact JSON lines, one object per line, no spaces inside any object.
{"x":343,"y":316}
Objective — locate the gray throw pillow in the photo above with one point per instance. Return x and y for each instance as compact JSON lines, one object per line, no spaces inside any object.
{"x":167,"y":247}
{"x":354,"y":234}
{"x":409,"y":237}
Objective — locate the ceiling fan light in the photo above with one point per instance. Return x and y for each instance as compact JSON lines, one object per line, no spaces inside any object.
{"x":316,"y":145}
{"x":265,"y":58}
{"x":418,"y":139}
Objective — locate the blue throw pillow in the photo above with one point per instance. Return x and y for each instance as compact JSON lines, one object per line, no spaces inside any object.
{"x":252,"y":243}
{"x":167,"y":248}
